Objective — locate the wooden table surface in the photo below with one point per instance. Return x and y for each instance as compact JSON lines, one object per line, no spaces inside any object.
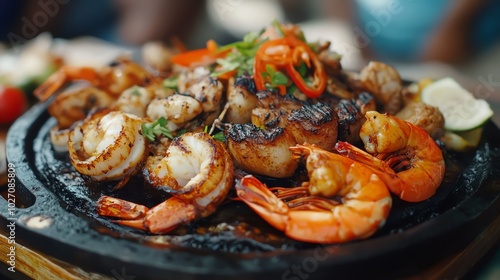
{"x":37,"y":265}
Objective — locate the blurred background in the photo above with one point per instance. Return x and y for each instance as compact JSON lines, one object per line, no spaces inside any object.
{"x":422,"y":39}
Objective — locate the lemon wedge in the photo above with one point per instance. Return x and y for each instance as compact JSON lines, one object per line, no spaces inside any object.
{"x":461,"y":110}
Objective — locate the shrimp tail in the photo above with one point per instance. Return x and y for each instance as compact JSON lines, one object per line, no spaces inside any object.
{"x":168,"y":215}
{"x":118,"y":208}
{"x":348,"y":150}
{"x":383,"y":171}
{"x":57,"y":80}
{"x":162,"y":218}
{"x":50,"y":86}
{"x":267,"y":205}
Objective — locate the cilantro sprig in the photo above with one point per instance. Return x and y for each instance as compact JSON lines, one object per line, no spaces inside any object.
{"x":242,"y":56}
{"x":277,"y":77}
{"x":219,"y":136}
{"x":170,"y":83}
{"x":157,"y":128}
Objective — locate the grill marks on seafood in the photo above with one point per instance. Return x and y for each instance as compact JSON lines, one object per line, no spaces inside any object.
{"x":196,"y":170}
{"x":350,"y":114}
{"x":107,"y":146}
{"x":346,"y":197}
{"x":241,"y":100}
{"x":316,"y":124}
{"x":310,"y":212}
{"x":74,"y":105}
{"x":260,"y":151}
{"x":247,"y":82}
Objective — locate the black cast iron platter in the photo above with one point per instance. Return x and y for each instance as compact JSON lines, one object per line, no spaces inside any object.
{"x":414,"y":236}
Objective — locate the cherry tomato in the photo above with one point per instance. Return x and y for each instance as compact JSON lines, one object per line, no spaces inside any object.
{"x":13,"y":103}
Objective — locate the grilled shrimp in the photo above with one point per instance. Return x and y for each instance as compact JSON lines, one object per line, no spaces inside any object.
{"x":342,"y":201}
{"x":190,"y":77}
{"x":196,"y":170}
{"x":158,"y":56}
{"x":112,"y":79}
{"x":403,"y":155}
{"x":209,"y":92}
{"x":384,"y":83}
{"x":74,"y":105}
{"x":134,"y":101}
{"x":107,"y":146}
{"x":59,"y":139}
{"x":178,"y":109}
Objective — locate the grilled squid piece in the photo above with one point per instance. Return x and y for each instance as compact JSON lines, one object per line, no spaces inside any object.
{"x":265,"y":152}
{"x":107,"y":146}
{"x":158,"y":55}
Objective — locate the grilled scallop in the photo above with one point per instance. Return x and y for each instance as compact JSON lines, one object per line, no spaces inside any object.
{"x":262,"y":151}
{"x":350,"y":114}
{"x":314,"y":124}
{"x":241,"y":100}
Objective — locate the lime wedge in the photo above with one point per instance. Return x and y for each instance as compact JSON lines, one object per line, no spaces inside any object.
{"x":462,"y":141}
{"x":460,"y":109}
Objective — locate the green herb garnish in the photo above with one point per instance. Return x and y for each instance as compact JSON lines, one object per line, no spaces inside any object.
{"x":277,"y":77}
{"x":292,"y":89}
{"x":135,"y":91}
{"x":219,"y":136}
{"x":157,"y":128}
{"x":277,"y":26}
{"x":181,"y":131}
{"x":170,"y":83}
{"x":242,"y":56}
{"x":302,"y":69}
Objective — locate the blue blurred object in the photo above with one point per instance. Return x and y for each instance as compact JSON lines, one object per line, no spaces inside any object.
{"x":398,"y":29}
{"x":9,"y":12}
{"x":74,"y":18}
{"x":90,"y":17}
